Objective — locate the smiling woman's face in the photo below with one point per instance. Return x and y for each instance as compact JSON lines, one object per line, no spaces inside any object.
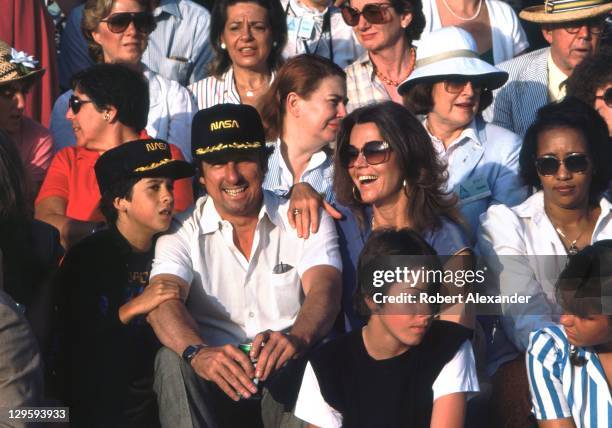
{"x":564,"y":188}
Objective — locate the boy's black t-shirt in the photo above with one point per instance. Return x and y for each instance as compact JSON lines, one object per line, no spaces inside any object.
{"x":108,"y":366}
{"x":392,"y":393}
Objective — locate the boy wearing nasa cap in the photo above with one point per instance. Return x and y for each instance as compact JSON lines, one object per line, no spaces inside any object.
{"x":109,"y":347}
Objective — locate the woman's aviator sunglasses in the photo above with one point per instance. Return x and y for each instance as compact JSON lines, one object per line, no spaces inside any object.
{"x":374,"y":13}
{"x":374,"y":152}
{"x":119,"y":22}
{"x":574,"y":162}
{"x":76,"y":103}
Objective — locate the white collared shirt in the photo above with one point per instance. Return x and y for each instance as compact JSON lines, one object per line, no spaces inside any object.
{"x":446,"y":153}
{"x":556,"y":77}
{"x":518,"y":243}
{"x":231,"y":298}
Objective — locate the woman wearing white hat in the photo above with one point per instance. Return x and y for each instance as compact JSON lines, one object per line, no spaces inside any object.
{"x":451,"y":85}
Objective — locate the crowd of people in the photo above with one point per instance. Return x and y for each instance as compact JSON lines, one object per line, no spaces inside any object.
{"x":205,"y":211}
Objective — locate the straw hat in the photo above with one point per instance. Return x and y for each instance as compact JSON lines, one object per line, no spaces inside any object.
{"x":560,"y":11}
{"x":451,"y":52}
{"x":16,"y":66}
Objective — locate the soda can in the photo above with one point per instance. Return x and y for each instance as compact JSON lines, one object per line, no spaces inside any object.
{"x":246,"y":348}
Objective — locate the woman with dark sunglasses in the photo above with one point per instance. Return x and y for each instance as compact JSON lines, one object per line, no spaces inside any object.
{"x":591,"y":82}
{"x":387,"y":175}
{"x":117,"y":31}
{"x":108,"y":107}
{"x":386,"y":29}
{"x":450,"y":86}
{"x":566,"y":155}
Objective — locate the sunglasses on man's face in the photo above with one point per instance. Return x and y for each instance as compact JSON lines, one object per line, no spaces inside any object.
{"x":374,"y":152}
{"x":606,"y":97}
{"x":374,"y":13}
{"x":76,"y":103}
{"x":574,"y":163}
{"x":144,"y":22}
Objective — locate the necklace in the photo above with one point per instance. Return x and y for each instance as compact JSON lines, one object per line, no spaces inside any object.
{"x":250,"y":92}
{"x":573,"y":249}
{"x":471,"y":18}
{"x":392,"y":82}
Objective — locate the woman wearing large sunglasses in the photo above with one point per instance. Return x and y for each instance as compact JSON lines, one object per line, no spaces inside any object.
{"x":108,"y":107}
{"x":387,"y":175}
{"x":117,"y":31}
{"x":386,"y":30}
{"x":566,"y":155}
{"x":450,"y":86}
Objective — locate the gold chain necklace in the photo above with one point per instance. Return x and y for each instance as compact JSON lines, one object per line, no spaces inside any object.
{"x":573,"y":248}
{"x":392,"y":82}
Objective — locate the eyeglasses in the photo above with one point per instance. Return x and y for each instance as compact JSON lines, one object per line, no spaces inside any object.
{"x":76,"y":103}
{"x":374,"y":152}
{"x":374,"y":13}
{"x":119,"y":22}
{"x":595,"y":26}
{"x":456,"y":86}
{"x":574,"y":162}
{"x":606,"y":97}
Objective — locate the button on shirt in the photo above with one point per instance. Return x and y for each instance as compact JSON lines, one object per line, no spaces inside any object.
{"x":319,"y":173}
{"x":344,"y":45}
{"x":231,"y":298}
{"x":362,"y":85}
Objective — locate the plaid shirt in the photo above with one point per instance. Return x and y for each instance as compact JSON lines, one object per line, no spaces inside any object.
{"x":362,"y":85}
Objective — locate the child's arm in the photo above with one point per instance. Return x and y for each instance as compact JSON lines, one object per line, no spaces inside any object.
{"x":152,"y":296}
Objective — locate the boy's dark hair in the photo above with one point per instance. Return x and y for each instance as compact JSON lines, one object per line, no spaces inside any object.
{"x":118,"y":86}
{"x":120,"y":189}
{"x":382,"y":244}
{"x":585,"y":285}
{"x":590,"y":75}
{"x":573,"y":114}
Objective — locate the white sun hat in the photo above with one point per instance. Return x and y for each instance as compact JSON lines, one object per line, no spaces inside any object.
{"x":451,"y":52}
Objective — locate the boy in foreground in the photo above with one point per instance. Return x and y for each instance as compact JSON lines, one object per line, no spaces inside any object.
{"x":109,"y":348}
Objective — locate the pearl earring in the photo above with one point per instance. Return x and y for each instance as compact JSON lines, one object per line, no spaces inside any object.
{"x":223,"y":46}
{"x":274,"y":44}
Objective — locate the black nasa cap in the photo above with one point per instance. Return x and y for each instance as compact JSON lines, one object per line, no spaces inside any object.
{"x":140,"y":158}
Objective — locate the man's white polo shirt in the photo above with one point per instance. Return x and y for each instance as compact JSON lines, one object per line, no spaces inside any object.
{"x":231,"y":298}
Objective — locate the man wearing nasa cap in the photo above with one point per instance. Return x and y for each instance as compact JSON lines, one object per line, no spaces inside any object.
{"x":250,"y":280}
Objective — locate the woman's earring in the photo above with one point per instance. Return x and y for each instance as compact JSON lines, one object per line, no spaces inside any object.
{"x":405,"y":184}
{"x":274,"y":44}
{"x":357,"y":195}
{"x":223,"y":46}
{"x":106,"y":116}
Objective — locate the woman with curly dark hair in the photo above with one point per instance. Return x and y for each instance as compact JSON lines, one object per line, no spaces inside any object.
{"x":591,"y":82}
{"x":566,"y":156}
{"x":387,"y":175}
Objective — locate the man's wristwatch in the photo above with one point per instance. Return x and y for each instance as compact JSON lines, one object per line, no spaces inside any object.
{"x":191,"y":351}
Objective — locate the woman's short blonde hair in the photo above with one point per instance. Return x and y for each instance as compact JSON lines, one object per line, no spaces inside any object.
{"x":94,"y":12}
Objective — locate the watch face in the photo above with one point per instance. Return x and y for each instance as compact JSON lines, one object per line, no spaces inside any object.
{"x":189,"y":352}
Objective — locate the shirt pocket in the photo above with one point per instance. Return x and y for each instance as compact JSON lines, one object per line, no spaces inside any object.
{"x":286,"y":293}
{"x":176,"y":67}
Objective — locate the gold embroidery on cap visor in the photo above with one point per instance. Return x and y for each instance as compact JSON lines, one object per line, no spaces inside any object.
{"x":154,"y":165}
{"x":223,"y":146}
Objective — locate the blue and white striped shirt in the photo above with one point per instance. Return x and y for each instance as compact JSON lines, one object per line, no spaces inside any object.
{"x":561,"y":389}
{"x":319,"y":174}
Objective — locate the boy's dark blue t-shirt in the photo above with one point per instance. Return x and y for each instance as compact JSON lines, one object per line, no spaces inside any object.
{"x":108,"y":366}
